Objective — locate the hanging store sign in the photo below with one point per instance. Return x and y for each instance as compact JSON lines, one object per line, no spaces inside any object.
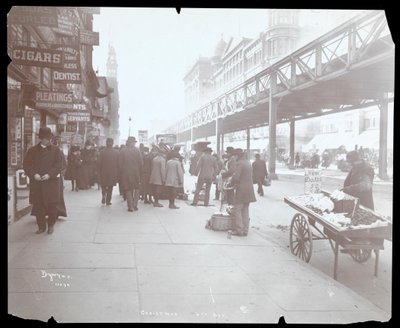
{"x":56,"y":100}
{"x":63,"y":77}
{"x":33,"y":15}
{"x":22,"y":180}
{"x":90,"y":10}
{"x":89,"y":37}
{"x":53,"y":96}
{"x":11,"y":199}
{"x":72,"y":127}
{"x":77,"y":139}
{"x":71,"y":69}
{"x":78,"y":117}
{"x":37,"y":57}
{"x":66,"y":26}
{"x":143,"y":136}
{"x":312,"y":181}
{"x":16,"y":153}
{"x":66,"y":137}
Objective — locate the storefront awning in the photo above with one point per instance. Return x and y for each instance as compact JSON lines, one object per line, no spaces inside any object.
{"x":321,"y":142}
{"x":370,"y":139}
{"x":50,"y":111}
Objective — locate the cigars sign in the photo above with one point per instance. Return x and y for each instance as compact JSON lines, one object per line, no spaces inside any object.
{"x":65,"y":61}
{"x":37,"y":57}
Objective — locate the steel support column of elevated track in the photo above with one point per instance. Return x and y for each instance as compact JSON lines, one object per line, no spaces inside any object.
{"x":348,"y":66}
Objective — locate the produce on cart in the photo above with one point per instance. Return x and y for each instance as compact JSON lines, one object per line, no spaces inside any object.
{"x":339,"y":218}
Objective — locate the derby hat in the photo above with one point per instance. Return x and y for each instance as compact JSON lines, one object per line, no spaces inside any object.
{"x":131,"y":139}
{"x":45,"y":133}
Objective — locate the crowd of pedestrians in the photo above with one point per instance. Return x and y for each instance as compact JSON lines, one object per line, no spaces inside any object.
{"x":141,"y":173}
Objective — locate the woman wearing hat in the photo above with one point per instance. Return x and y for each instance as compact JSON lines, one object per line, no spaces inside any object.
{"x":74,"y":162}
{"x":358,"y":182}
{"x":43,"y":164}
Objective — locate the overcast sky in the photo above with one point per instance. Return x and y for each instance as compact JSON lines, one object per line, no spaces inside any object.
{"x":155,"y":48}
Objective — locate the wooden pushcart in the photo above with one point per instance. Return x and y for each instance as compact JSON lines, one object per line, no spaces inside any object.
{"x":307,"y":226}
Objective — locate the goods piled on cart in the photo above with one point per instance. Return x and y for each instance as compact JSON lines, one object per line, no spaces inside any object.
{"x":341,"y":210}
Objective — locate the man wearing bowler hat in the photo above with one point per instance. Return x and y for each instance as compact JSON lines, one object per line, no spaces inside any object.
{"x":43,"y":164}
{"x":108,"y":170}
{"x":242,"y":180}
{"x":131,"y":165}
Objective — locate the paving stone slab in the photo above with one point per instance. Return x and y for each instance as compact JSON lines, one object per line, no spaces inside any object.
{"x":190,"y":234}
{"x":76,"y":307}
{"x":261,"y":259}
{"x":129,"y":227}
{"x":132,"y":238}
{"x":38,"y":260}
{"x":178,"y":308}
{"x":81,"y":213}
{"x":181,"y":255}
{"x":315,"y":294}
{"x":335,"y":317}
{"x":72,"y":280}
{"x":70,"y":231}
{"x":15,"y":248}
{"x":117,"y":220}
{"x":194,"y":280}
{"x":22,"y":230}
{"x":65,"y":247}
{"x":244,"y":308}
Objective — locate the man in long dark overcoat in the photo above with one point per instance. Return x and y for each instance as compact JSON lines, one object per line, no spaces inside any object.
{"x":259,"y":173}
{"x":131,"y":164}
{"x":206,"y":170}
{"x":108,"y":170}
{"x":43,"y":164}
{"x":244,"y":193}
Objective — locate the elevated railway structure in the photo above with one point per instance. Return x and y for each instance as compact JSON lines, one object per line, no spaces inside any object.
{"x":350,"y":67}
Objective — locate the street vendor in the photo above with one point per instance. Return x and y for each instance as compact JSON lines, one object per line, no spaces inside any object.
{"x":358,"y":182}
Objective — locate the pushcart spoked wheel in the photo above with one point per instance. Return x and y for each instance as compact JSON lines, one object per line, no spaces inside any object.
{"x":360,"y":255}
{"x":301,"y":237}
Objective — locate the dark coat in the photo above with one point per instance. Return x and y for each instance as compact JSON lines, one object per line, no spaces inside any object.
{"x":131,"y":165}
{"x":42,"y":161}
{"x":242,"y":179}
{"x":259,"y":169}
{"x":108,"y":166}
{"x":358,"y":183}
{"x":230,"y":167}
{"x":73,"y":164}
{"x":207,"y":167}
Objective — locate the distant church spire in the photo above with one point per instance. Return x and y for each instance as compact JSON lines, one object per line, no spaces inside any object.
{"x":112,"y":65}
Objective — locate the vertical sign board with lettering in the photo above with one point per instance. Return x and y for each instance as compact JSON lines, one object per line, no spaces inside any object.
{"x":11,"y":199}
{"x":312,"y":181}
{"x":71,"y":71}
{"x":143,"y":136}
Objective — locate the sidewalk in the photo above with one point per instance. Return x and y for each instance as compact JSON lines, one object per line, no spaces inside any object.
{"x":105,"y":264}
{"x":329,"y":172}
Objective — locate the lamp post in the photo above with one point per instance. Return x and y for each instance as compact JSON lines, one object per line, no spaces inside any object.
{"x":129,"y":134}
